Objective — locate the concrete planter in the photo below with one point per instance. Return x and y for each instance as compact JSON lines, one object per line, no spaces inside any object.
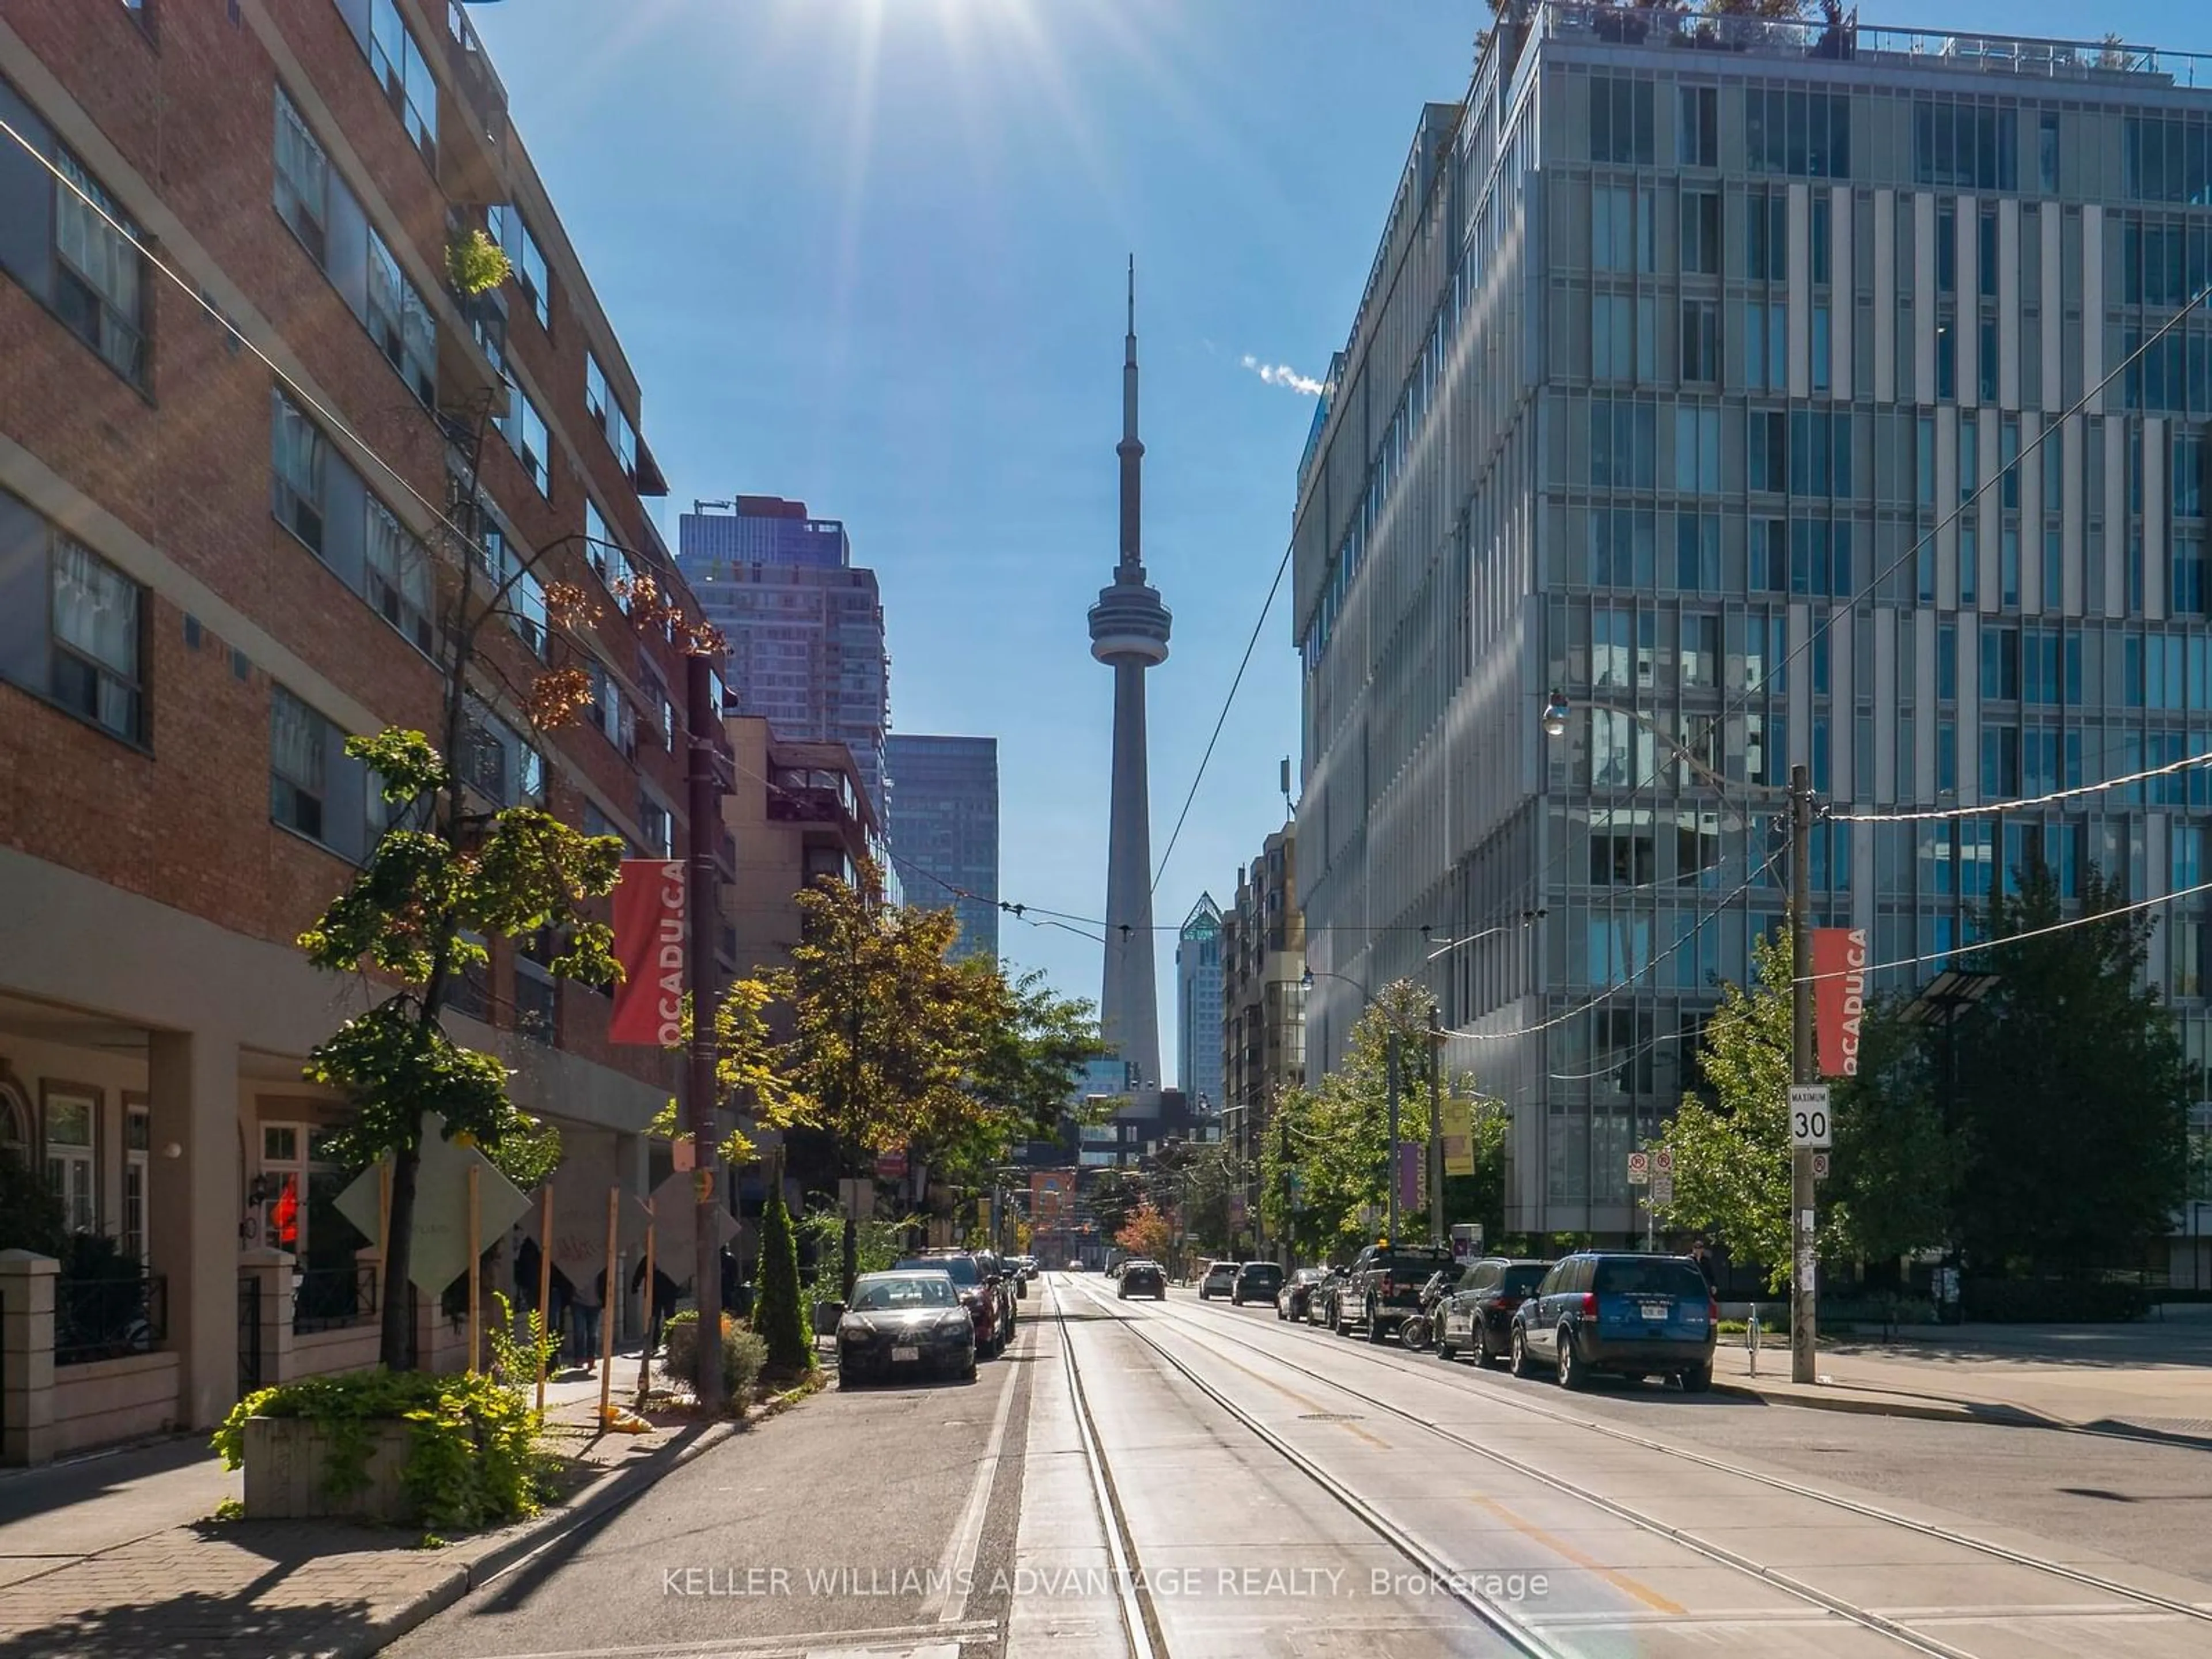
{"x":288,"y":1461}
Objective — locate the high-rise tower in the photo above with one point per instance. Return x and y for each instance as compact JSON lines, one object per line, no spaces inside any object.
{"x":1129,"y":634}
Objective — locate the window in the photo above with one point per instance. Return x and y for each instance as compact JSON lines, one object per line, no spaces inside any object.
{"x":400,"y":322}
{"x":658,"y":828}
{"x":1822,"y":228}
{"x":1613,"y":338}
{"x":399,"y":576}
{"x":2049,"y":139}
{"x":526,"y":609}
{"x":302,"y":180}
{"x":1622,"y":442}
{"x":1768,"y":436}
{"x":1701,"y":340}
{"x":1821,"y":348}
{"x":137,"y":1149}
{"x":96,"y":640}
{"x":1766,"y":347}
{"x":2001,"y":665}
{"x":1946,"y":250}
{"x":1767,"y":237}
{"x":525,"y":429}
{"x":1697,"y":135}
{"x":1621,"y":120}
{"x":2000,"y":764}
{"x":1804,"y":135}
{"x":99,"y":272}
{"x":1960,"y":144}
{"x":1985,"y":360}
{"x":523,"y":253}
{"x":1696,"y":450}
{"x":70,"y":1172}
{"x":299,"y":456}
{"x":397,"y":59}
{"x":1615,"y":242}
{"x":1947,"y":361}
{"x":2167,"y":159}
{"x":1947,"y":661}
{"x":1701,"y":233}
{"x":298,"y":764}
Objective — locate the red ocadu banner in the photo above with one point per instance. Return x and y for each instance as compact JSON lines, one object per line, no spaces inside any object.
{"x":1839,"y":960}
{"x":649,"y":945}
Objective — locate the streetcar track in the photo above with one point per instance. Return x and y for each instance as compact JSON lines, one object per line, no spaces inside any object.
{"x":1140,"y":1626}
{"x":1404,"y":1365}
{"x":1816,"y":1598}
{"x":1499,"y":1618}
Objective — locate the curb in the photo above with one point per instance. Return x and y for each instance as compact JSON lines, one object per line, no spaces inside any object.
{"x":1925,"y":1411}
{"x":602,"y":1499}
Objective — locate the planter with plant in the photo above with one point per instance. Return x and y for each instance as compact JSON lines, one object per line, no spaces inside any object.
{"x":745,"y":1356}
{"x":451,"y":1452}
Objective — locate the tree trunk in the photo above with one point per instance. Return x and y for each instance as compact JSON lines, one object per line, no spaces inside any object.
{"x":396,"y":1351}
{"x":849,"y":1262}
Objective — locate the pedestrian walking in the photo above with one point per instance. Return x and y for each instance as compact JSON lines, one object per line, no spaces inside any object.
{"x":664,"y":1292}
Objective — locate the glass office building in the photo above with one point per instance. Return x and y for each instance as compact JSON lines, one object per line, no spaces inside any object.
{"x":945,"y":830}
{"x":1776,"y":387}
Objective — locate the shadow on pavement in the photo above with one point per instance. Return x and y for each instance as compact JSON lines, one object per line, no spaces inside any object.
{"x":27,"y":1493}
{"x":194,"y":1624}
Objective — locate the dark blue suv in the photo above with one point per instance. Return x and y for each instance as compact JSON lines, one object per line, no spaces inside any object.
{"x":1637,"y":1315}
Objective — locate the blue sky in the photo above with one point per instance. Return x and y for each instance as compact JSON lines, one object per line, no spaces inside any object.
{"x":869,"y":253}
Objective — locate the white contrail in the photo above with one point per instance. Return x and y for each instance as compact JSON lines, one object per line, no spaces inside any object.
{"x":1284,"y":374}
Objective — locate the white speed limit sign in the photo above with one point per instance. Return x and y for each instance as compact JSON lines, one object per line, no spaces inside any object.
{"x":1809,"y":1124}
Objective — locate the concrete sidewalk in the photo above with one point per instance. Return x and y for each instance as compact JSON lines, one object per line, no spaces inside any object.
{"x":117,"y":1555}
{"x":2148,"y":1380}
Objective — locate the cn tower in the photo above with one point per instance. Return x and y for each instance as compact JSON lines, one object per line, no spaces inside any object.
{"x":1129,"y":635}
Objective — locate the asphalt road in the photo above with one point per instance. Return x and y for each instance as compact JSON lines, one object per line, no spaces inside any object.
{"x":833,"y":1526}
{"x":1223,"y":1484}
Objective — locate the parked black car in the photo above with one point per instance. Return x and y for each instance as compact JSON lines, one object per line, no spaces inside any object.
{"x":1297,"y":1291}
{"x":1256,"y":1281}
{"x":1142,"y":1278}
{"x":1479,"y":1314}
{"x":986,"y":1300}
{"x":1638,"y":1315}
{"x":1321,"y":1301}
{"x":898,"y":1320}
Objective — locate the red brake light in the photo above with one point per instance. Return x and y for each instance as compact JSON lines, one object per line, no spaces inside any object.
{"x":1713,"y":1312}
{"x":1389,"y":1284}
{"x":1589,"y":1304}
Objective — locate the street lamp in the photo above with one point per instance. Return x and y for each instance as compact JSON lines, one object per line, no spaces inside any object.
{"x":1803,"y":1330}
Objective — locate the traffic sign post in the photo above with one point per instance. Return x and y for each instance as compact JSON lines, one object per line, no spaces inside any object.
{"x":1810,"y":1127}
{"x":1663,"y":1160}
{"x":1639,"y":1169}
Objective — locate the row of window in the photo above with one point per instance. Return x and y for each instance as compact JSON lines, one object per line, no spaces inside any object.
{"x":331,"y":224}
{"x":397,"y":59}
{"x":1790,"y":131}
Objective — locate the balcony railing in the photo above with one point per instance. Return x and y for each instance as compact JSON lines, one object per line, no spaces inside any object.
{"x":333,"y":1298}
{"x":109,"y":1317}
{"x":1849,"y":40}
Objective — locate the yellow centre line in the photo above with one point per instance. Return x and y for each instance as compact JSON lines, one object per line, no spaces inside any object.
{"x":1559,"y":1547}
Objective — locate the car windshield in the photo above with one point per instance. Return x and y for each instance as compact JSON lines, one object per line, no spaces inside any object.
{"x":961,"y":1268}
{"x":1661,"y":1277}
{"x":1308,"y":1276}
{"x":1520,"y":1281}
{"x":1260,"y":1270}
{"x":901,"y":1290}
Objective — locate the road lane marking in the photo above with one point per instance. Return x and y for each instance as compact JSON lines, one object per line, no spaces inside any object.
{"x":948,"y":1604}
{"x":1559,"y":1547}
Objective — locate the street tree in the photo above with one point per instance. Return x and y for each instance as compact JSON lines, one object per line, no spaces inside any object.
{"x":1893,"y":1168}
{"x":1334,"y":1133}
{"x":1732,"y":1159}
{"x":1114,"y":1198}
{"x":2073,"y":1089}
{"x":449,"y":867}
{"x":1146,"y":1233}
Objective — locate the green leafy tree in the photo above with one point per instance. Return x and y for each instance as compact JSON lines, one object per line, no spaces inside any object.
{"x":1338,"y":1129}
{"x":449,"y":867}
{"x":1890,"y":1193}
{"x":32,"y":1217}
{"x":1481,"y":1196}
{"x":442,"y":870}
{"x":779,"y":1315}
{"x":1732,"y":1158}
{"x":2073,"y":1089}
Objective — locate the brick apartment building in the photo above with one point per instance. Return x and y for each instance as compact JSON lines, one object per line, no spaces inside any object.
{"x":211,"y":574}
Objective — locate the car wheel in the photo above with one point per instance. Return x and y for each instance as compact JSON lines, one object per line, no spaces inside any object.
{"x":968,"y":1371}
{"x":1698,"y":1379}
{"x":1375,"y":1331}
{"x":1521,"y":1365}
{"x":1446,"y":1349}
{"x":1336,"y":1317}
{"x":1572,"y":1369}
{"x":1483,"y":1358}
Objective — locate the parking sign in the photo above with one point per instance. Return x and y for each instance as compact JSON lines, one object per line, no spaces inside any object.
{"x":1639,"y":1169}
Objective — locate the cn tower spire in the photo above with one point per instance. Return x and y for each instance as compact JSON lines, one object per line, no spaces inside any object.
{"x":1131,"y":450}
{"x":1129,"y":635}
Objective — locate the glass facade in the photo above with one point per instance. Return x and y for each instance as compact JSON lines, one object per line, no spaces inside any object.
{"x":945,"y":830}
{"x":1887,"y":498}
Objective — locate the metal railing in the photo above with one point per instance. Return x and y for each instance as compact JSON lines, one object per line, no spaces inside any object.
{"x":333,"y":1298}
{"x":1848,"y":38}
{"x":109,"y":1317}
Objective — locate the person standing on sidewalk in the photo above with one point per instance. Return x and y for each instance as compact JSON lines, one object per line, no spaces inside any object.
{"x":1703,"y":1256}
{"x":664,"y":1292}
